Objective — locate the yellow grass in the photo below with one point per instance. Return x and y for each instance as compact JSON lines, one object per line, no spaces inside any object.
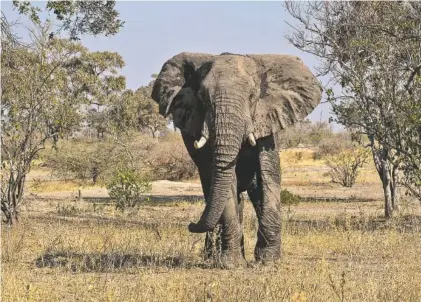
{"x":151,"y":256}
{"x":299,"y":157}
{"x":332,"y":251}
{"x":57,"y":185}
{"x":300,"y":169}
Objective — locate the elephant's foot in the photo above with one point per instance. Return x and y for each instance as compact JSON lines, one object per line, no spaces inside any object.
{"x":267,"y":255}
{"x":232,"y":259}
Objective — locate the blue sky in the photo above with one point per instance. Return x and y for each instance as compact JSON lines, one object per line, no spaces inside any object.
{"x":156,"y":31}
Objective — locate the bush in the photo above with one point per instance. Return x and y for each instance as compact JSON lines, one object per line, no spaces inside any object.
{"x":288,"y":198}
{"x":332,"y":146}
{"x":305,"y":133}
{"x":344,"y":166}
{"x":84,"y":161}
{"x":126,"y":188}
{"x":170,"y":160}
{"x":96,"y":161}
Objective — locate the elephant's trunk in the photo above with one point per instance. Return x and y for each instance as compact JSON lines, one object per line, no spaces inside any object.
{"x":227,"y":134}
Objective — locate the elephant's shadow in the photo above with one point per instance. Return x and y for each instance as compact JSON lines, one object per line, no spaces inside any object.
{"x":109,"y":262}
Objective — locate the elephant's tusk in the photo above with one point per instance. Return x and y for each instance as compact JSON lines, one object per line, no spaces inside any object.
{"x":252,"y":140}
{"x":199,"y":144}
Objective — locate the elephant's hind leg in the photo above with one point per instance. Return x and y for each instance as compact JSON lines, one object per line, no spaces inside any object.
{"x":212,"y":250}
{"x":240,"y":219}
{"x":265,"y":196}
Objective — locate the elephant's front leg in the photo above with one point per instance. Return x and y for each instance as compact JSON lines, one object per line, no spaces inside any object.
{"x":232,"y":234}
{"x":203,"y":160}
{"x":211,"y":248}
{"x":266,"y":200}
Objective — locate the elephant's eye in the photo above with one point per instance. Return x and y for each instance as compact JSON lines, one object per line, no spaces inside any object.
{"x":186,"y":115}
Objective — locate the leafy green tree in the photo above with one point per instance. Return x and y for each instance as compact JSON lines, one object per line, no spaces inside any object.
{"x":45,"y":85}
{"x":137,"y":110}
{"x":148,"y":114}
{"x":75,"y":17}
{"x":373,"y":51}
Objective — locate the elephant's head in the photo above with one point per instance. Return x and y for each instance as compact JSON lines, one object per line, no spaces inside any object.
{"x":226,"y":99}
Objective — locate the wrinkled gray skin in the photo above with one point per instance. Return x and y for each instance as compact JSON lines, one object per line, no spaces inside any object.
{"x":225,"y":98}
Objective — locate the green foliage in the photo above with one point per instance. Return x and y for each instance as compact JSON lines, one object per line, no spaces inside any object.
{"x":373,"y":50}
{"x":77,"y":17}
{"x":148,"y":111}
{"x":84,"y":161}
{"x":137,"y":110}
{"x":288,"y":198}
{"x":127,"y":187}
{"x":26,"y":8}
{"x":46,"y":86}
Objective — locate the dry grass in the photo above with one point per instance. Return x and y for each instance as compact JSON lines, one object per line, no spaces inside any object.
{"x":148,"y":255}
{"x":57,"y":185}
{"x":332,"y":251}
{"x":299,"y":157}
{"x":299,"y":168}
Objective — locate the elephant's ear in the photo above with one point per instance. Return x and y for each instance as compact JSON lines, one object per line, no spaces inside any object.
{"x":288,"y":93}
{"x":177,"y":72}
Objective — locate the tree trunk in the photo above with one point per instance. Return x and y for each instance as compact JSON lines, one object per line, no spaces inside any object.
{"x":11,"y":198}
{"x":386,"y":181}
{"x":381,"y":162}
{"x":95,"y":174}
{"x":394,"y":188}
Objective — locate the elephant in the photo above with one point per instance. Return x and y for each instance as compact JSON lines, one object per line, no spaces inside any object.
{"x":231,"y":110}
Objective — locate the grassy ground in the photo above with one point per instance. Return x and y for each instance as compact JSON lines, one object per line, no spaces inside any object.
{"x":66,"y":250}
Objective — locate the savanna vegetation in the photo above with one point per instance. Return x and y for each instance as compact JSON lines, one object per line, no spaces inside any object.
{"x":372,"y":51}
{"x":97,"y":190}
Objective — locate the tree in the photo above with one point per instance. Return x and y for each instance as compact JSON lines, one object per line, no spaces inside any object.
{"x":372,"y":50}
{"x":137,"y":110}
{"x":44,"y":85}
{"x":76,"y":17}
{"x":148,"y":113}
{"x":97,"y":120}
{"x":104,"y":87}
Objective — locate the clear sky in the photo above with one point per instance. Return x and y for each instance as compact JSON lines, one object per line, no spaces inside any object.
{"x":156,"y":31}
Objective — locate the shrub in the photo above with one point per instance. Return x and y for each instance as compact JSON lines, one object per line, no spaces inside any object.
{"x":305,"y":133}
{"x":288,"y":198}
{"x":126,"y":188}
{"x":344,"y":166}
{"x":96,"y":161}
{"x":67,"y":210}
{"x":299,"y":156}
{"x":170,"y":160}
{"x":332,"y":146}
{"x":84,"y":161}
